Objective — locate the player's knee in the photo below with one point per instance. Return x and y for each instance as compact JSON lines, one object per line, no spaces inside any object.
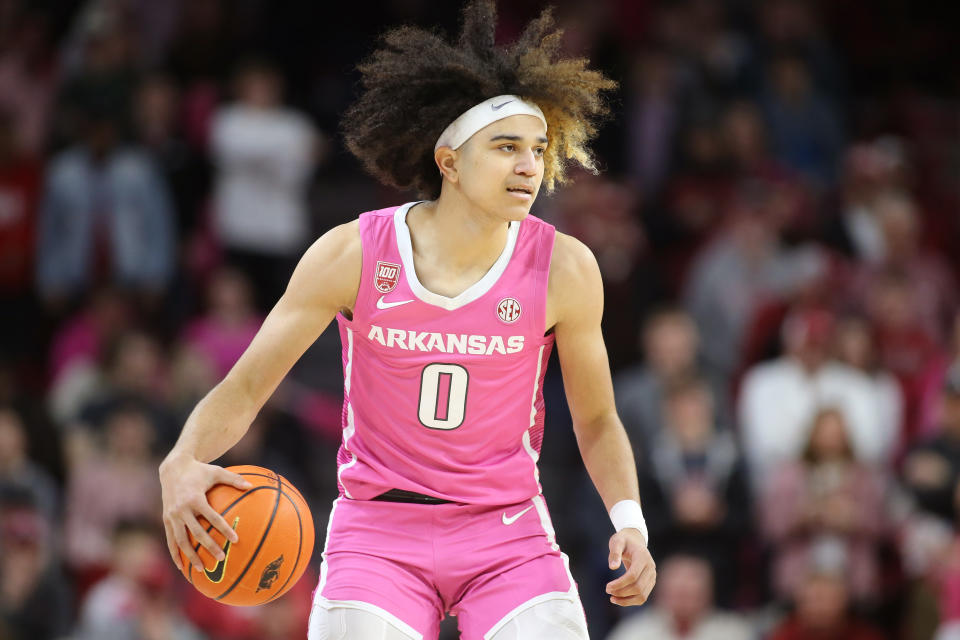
{"x":558,"y":619}
{"x":345,"y":623}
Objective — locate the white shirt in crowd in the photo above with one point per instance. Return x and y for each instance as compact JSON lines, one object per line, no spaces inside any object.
{"x":657,"y":624}
{"x":779,"y":400}
{"x":264,"y":159}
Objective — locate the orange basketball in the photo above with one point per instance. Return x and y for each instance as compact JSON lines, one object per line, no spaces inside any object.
{"x":275,"y":531}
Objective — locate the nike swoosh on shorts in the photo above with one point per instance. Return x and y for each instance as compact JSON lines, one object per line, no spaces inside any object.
{"x":508,"y":521}
{"x":386,"y":305}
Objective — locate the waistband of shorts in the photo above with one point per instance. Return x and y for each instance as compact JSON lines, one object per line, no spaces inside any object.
{"x":401,"y":495}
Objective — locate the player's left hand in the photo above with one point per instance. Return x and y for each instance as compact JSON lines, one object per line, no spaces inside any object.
{"x":634,"y":586}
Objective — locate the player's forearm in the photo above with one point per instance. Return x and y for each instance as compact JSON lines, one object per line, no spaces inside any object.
{"x":608,"y":457}
{"x":217,"y":423}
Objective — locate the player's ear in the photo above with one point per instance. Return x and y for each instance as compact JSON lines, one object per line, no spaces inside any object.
{"x":446,"y":159}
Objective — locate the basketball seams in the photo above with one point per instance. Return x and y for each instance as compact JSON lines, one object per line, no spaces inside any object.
{"x":263,"y":538}
{"x":260,"y":477}
{"x":296,"y":562}
{"x":209,"y":528}
{"x":284,"y":483}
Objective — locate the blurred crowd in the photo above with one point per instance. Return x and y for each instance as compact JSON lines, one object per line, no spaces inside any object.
{"x":778,"y":226}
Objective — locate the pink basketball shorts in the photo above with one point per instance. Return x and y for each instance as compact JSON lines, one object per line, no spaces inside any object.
{"x":414,"y":563}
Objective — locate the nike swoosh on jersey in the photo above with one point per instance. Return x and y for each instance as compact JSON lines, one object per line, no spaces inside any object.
{"x":496,"y":107}
{"x":508,"y":521}
{"x":217,"y":574}
{"x":386,"y":305}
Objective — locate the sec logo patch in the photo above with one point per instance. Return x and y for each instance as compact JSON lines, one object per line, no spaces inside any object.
{"x":508,"y":310}
{"x":387,"y":276}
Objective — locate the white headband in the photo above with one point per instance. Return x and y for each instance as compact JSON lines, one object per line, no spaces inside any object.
{"x":487,"y":112}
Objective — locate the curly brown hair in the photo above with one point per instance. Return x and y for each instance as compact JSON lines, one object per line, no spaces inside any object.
{"x":418,"y":83}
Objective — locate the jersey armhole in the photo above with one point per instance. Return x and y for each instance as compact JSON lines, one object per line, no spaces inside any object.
{"x":544,"y":256}
{"x":363,"y":221}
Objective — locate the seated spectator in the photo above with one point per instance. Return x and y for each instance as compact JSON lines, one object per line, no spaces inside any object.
{"x":905,"y":347}
{"x":119,"y":482}
{"x":136,"y":600}
{"x":779,"y":399}
{"x":683,"y":608}
{"x":929,"y":410}
{"x":34,"y":596}
{"x":932,"y":469}
{"x":743,"y":268}
{"x":932,"y":291}
{"x":229,"y":324}
{"x":18,"y":471}
{"x":694,"y":487}
{"x":670,"y":343}
{"x":132,"y":368}
{"x":823,"y":602}
{"x":855,"y":346}
{"x":825,"y":494}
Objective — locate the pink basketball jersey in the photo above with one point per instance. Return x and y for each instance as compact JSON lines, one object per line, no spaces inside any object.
{"x":444,"y":396}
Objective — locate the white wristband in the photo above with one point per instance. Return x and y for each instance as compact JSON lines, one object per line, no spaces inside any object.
{"x":627,"y":514}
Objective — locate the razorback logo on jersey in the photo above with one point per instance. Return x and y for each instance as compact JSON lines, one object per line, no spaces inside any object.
{"x":509,"y":310}
{"x":387,"y":276}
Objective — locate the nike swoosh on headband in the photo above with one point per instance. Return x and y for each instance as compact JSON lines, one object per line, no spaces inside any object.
{"x":496,"y":107}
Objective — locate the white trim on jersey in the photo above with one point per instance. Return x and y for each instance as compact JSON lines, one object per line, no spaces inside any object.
{"x":351,"y":427}
{"x":474,"y":291}
{"x":571,"y":594}
{"x":326,"y":543}
{"x":527,"y":446}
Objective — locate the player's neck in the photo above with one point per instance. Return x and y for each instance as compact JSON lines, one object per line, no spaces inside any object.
{"x":451,"y":232}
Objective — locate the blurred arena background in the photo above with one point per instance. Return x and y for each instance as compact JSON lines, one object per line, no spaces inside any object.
{"x":777,"y":220}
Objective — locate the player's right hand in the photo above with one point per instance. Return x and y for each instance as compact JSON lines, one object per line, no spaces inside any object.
{"x":184,"y":482}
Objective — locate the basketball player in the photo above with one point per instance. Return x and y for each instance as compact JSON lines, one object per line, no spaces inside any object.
{"x":448,"y":309}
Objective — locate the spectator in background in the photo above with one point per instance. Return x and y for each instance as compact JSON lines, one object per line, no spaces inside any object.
{"x":99,"y":76}
{"x":780,"y":399}
{"x":28,"y":73}
{"x":683,"y":608}
{"x":804,"y":127}
{"x":694,"y":486}
{"x":119,"y":483}
{"x":653,"y":93}
{"x":822,"y":600}
{"x":131,"y":368}
{"x":744,"y":267}
{"x":931,"y":469}
{"x":106,"y":216}
{"x":826,"y":494}
{"x":35,"y":600}
{"x":137,"y":599}
{"x":905,"y":347}
{"x":264,"y":154}
{"x":670,"y":346}
{"x":19,"y":193}
{"x":226,"y":329}
{"x":19,"y":472}
{"x":852,"y":225}
{"x":932,"y":386}
{"x":855,"y":346}
{"x":158,"y":129}
{"x":931,"y":294}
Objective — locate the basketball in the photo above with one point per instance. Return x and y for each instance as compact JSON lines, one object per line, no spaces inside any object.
{"x":275,"y":531}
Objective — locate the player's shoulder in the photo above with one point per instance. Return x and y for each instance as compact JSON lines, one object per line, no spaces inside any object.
{"x":573,"y":262}
{"x":575,"y":290}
